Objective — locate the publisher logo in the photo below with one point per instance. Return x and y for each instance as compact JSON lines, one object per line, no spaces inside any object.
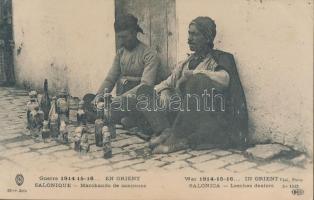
{"x":19,"y":179}
{"x":297,"y":192}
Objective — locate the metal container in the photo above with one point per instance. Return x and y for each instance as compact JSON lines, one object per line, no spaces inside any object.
{"x":63,"y":133}
{"x":30,"y":106}
{"x":107,"y":111}
{"x":54,"y":125}
{"x":45,"y":132}
{"x":81,"y":115}
{"x":112,"y":130}
{"x":45,"y":103}
{"x":63,"y":108}
{"x":107,"y":150}
{"x":54,"y":119}
{"x":84,"y":145}
{"x":40,"y":118}
{"x":77,"y":137}
{"x":99,"y":124}
{"x":33,"y":125}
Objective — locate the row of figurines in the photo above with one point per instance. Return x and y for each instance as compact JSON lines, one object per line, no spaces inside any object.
{"x":81,"y":143}
{"x":42,"y":116}
{"x":105,"y":130}
{"x":55,"y":124}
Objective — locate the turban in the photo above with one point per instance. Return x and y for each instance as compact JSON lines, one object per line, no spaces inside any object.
{"x":206,"y":26}
{"x":127,"y":22}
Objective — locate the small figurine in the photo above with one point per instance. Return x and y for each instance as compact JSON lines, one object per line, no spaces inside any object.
{"x":84,"y":145}
{"x":112,"y":130}
{"x":45,"y":103}
{"x":81,"y":115}
{"x":54,"y":119}
{"x":45,"y":132}
{"x":62,"y":108}
{"x":99,"y":124}
{"x":39,"y":117}
{"x":107,"y":110}
{"x":106,"y":142}
{"x":36,"y":119}
{"x":63,"y":132}
{"x":33,"y":125}
{"x":77,"y":137}
{"x":31,"y":104}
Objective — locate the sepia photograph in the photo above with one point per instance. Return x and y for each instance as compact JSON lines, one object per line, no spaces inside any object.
{"x":156,"y":99}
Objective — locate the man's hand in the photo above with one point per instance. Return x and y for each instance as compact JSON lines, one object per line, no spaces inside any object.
{"x":164,"y":98}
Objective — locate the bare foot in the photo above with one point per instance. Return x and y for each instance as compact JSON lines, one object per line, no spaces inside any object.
{"x":160,"y":139}
{"x":170,"y":148}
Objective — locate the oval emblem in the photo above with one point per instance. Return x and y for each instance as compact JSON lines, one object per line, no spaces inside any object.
{"x":19,"y":179}
{"x":297,"y":192}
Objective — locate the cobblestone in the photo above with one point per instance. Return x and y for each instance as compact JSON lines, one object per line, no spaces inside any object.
{"x":273,"y":167}
{"x":197,"y":153}
{"x":135,"y":146}
{"x":97,"y":154}
{"x":27,"y":156}
{"x":221,"y":152}
{"x":126,"y":142}
{"x":104,"y":168}
{"x":130,"y":153}
{"x":210,"y":165}
{"x":243,"y":166}
{"x":41,"y":145}
{"x":9,"y":136}
{"x":20,"y":143}
{"x":148,"y":164}
{"x":53,"y":149}
{"x":15,"y":151}
{"x":116,"y":150}
{"x":120,"y":157}
{"x":93,"y":148}
{"x":127,"y":163}
{"x":232,"y":159}
{"x":176,"y":157}
{"x":202,"y":158}
{"x":266,"y":151}
{"x":65,"y":154}
{"x":177,"y":165}
{"x":91,"y":163}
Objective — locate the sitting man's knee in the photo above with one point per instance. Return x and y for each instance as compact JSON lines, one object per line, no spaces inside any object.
{"x":202,"y":82}
{"x":198,"y":81}
{"x":145,"y":90}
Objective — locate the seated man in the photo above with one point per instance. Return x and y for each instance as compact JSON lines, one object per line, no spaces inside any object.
{"x":205,"y":75}
{"x":135,"y":64}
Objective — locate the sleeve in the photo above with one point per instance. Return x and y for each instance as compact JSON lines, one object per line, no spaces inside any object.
{"x":226,"y":63}
{"x":216,"y":73}
{"x":112,"y":75}
{"x":170,"y":82}
{"x":151,"y":64}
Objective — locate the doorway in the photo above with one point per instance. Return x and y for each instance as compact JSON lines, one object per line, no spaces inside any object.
{"x":6,"y":44}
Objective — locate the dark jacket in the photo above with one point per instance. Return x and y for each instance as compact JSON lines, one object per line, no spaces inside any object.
{"x":236,"y":101}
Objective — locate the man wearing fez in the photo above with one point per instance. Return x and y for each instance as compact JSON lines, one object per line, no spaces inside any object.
{"x":205,"y":71}
{"x":135,"y":64}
